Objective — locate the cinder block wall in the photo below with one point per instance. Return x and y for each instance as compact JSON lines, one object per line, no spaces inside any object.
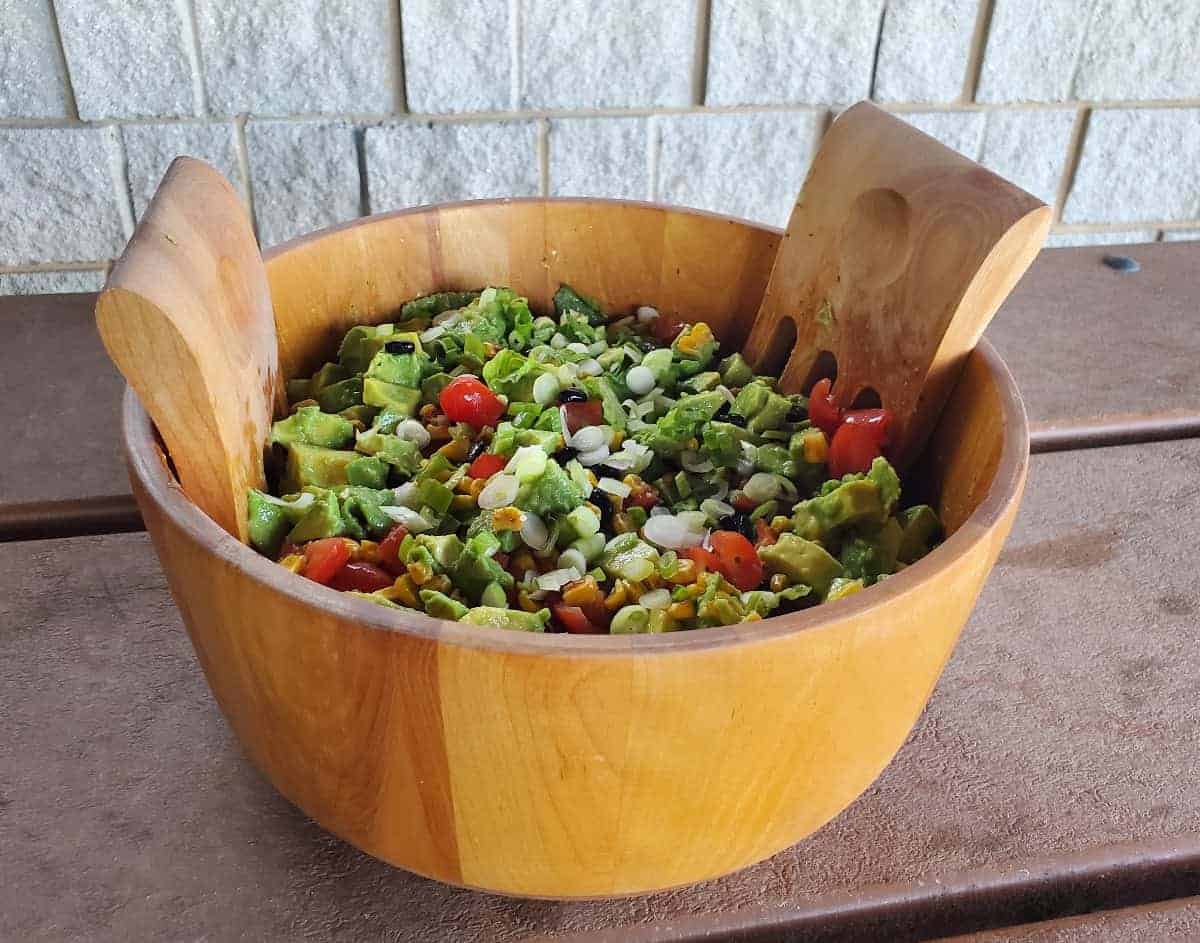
{"x":322,"y":111}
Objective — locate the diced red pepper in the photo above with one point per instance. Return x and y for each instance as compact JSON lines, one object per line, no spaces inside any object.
{"x":573,"y":619}
{"x":389,"y":550}
{"x":486,"y":465}
{"x":324,"y":558}
{"x":361,"y":576}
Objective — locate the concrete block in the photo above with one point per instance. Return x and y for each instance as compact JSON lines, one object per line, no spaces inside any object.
{"x":475,"y":73}
{"x":150,"y":148}
{"x":923,"y":50}
{"x":34,"y":81}
{"x":1031,"y":51}
{"x":599,"y":157}
{"x":50,"y":283}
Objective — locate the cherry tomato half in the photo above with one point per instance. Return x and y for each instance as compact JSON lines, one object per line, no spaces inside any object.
{"x":573,"y":619}
{"x":859,"y":440}
{"x":362,"y":576}
{"x":323,"y":558}
{"x":586,"y":413}
{"x":737,"y":559}
{"x":821,"y":409}
{"x":389,"y":550}
{"x":466,"y":399}
{"x":486,"y":465}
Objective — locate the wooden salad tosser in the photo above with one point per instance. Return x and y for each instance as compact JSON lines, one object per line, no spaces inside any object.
{"x":896,"y":256}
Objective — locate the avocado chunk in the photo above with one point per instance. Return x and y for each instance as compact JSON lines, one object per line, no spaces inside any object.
{"x":328,"y":375}
{"x":474,"y":570}
{"x":298,"y":389}
{"x":400,"y":369}
{"x":369,"y":471}
{"x":363,"y":343}
{"x":361,"y":506}
{"x":430,"y":306}
{"x":375,"y":598}
{"x":444,"y":549}
{"x":507,"y":618}
{"x":324,"y":519}
{"x":313,"y":466}
{"x":921,"y":530}
{"x":735,"y":371}
{"x":341,"y":395}
{"x":361,"y":414}
{"x":441,"y":606}
{"x":852,"y":502}
{"x":401,"y":454}
{"x":432,"y":386}
{"x":310,"y":426}
{"x":390,"y":396}
{"x":268,"y":524}
{"x":868,"y":556}
{"x":553,"y":492}
{"x":802,"y":561}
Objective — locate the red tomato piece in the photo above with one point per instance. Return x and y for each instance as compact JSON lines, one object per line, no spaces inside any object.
{"x":665,"y":328}
{"x":466,"y":399}
{"x":389,"y":550}
{"x":821,"y":409}
{"x":644,"y":497}
{"x":706,"y":560}
{"x":765,"y":535}
{"x":573,"y":619}
{"x":362,"y":576}
{"x":324,"y":558}
{"x":859,"y":440}
{"x":737,"y":559}
{"x":587,"y":413}
{"x":486,"y":465}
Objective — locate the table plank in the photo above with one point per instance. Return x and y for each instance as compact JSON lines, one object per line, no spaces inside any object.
{"x":1155,"y":923}
{"x":1064,"y":728}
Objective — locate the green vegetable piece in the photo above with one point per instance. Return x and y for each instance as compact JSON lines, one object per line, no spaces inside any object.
{"x":851,"y":502}
{"x":441,"y":606}
{"x":268,"y":523}
{"x":888,"y":482}
{"x":368,"y":472}
{"x":328,"y":375}
{"x":342,"y":395}
{"x":398,"y":369}
{"x":512,"y":374}
{"x":432,"y":386}
{"x":868,"y":556}
{"x":704,"y":381}
{"x":310,"y":426}
{"x":392,"y":396}
{"x":313,"y":466}
{"x":298,"y":389}
{"x":751,"y":399}
{"x":601,"y":388}
{"x":568,"y":299}
{"x":473,"y":571}
{"x":364,"y":511}
{"x":524,"y":414}
{"x":630,"y":560}
{"x":444,"y":549}
{"x":323,"y":519}
{"x":363,"y":414}
{"x":775,"y":459}
{"x":432,"y":493}
{"x":630,"y":620}
{"x":551,"y":493}
{"x":921,"y":530}
{"x":683,"y":421}
{"x":360,"y":344}
{"x":549,"y":421}
{"x":435,"y":467}
{"x":735,"y":371}
{"x":802,"y":561}
{"x":494,"y":595}
{"x":722,"y":443}
{"x":373,"y":597}
{"x":401,"y":454}
{"x":430,"y":306}
{"x":771,"y":415}
{"x":507,"y":618}
{"x":387,"y":419}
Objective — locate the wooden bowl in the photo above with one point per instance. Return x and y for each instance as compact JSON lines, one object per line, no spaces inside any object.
{"x":555,"y":765}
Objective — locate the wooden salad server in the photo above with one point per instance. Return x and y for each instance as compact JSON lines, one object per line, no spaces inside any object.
{"x":897,"y":254}
{"x":186,"y":316}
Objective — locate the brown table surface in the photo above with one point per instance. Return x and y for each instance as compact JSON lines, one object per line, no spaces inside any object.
{"x":1053,"y":772}
{"x":1100,"y":357}
{"x":1176,"y":920}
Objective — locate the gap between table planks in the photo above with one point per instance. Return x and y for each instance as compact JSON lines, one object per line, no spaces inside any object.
{"x":1101,"y":357}
{"x":122,"y":779}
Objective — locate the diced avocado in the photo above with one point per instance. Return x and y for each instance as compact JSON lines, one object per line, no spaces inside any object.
{"x":363,"y":505}
{"x":311,"y":465}
{"x":387,"y":419}
{"x":432,"y":493}
{"x":851,"y":502}
{"x":369,"y":471}
{"x":375,"y":598}
{"x":507,"y":618}
{"x":441,"y":606}
{"x":552,"y":492}
{"x":703,"y":381}
{"x":841,"y":587}
{"x":802,"y":561}
{"x":568,"y":299}
{"x":867,"y":556}
{"x":722,"y":442}
{"x":921,"y":530}
{"x":310,"y":426}
{"x":751,"y":398}
{"x":328,"y":375}
{"x":444,"y":549}
{"x":735,"y":371}
{"x":432,"y":386}
{"x":887,"y":480}
{"x":324,"y":519}
{"x":363,"y":343}
{"x":430,"y":306}
{"x":342,"y":395}
{"x":683,"y":421}
{"x":473,"y":571}
{"x":402,"y":454}
{"x":392,"y":396}
{"x":298,"y":389}
{"x":549,"y":421}
{"x":399,"y":369}
{"x":524,"y":415}
{"x":775,"y":459}
{"x":363,"y":414}
{"x":268,"y":524}
{"x":771,"y":415}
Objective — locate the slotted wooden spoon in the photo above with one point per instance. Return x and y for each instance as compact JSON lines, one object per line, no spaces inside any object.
{"x":897,"y":254}
{"x":186,"y":316}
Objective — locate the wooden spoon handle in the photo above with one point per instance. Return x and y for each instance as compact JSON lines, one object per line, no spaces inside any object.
{"x":897,"y":254}
{"x":186,"y":316}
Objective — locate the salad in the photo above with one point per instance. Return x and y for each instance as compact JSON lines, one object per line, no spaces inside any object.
{"x":575,"y":473}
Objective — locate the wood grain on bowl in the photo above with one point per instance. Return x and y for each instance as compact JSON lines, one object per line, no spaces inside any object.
{"x":570,"y":766}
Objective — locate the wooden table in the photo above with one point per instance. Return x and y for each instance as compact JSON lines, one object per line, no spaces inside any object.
{"x":1051,"y":775}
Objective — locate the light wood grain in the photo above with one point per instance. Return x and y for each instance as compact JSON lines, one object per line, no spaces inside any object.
{"x":897,"y":254}
{"x":569,"y":766}
{"x":186,"y":316}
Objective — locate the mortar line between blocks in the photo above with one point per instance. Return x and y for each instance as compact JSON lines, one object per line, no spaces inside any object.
{"x":243,"y":159}
{"x":187,"y":13}
{"x":399,"y":78}
{"x":37,"y":268}
{"x":983,"y":26}
{"x":700,"y":51}
{"x":1071,"y":165}
{"x":61,"y":49}
{"x":118,"y":166}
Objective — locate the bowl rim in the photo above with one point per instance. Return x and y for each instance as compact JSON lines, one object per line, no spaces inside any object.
{"x":147,"y":466}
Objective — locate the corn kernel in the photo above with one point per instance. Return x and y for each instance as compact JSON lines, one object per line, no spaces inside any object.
{"x":368,"y":551}
{"x":489,"y":349}
{"x":477,"y":485}
{"x":526,"y":603}
{"x":618,"y":597}
{"x":622,"y":524}
{"x":684,"y":573}
{"x":507,"y":518}
{"x":752,"y":617}
{"x":403,"y":591}
{"x":419,"y":573}
{"x":653,"y":581}
{"x":463,"y":485}
{"x":428,"y":411}
{"x":632,"y":480}
{"x":456,"y":450}
{"x":582,"y":592}
{"x":779,"y":582}
{"x":694,"y":338}
{"x":815,"y":446}
{"x":462,"y":502}
{"x":293,"y":561}
{"x":681,"y":610}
